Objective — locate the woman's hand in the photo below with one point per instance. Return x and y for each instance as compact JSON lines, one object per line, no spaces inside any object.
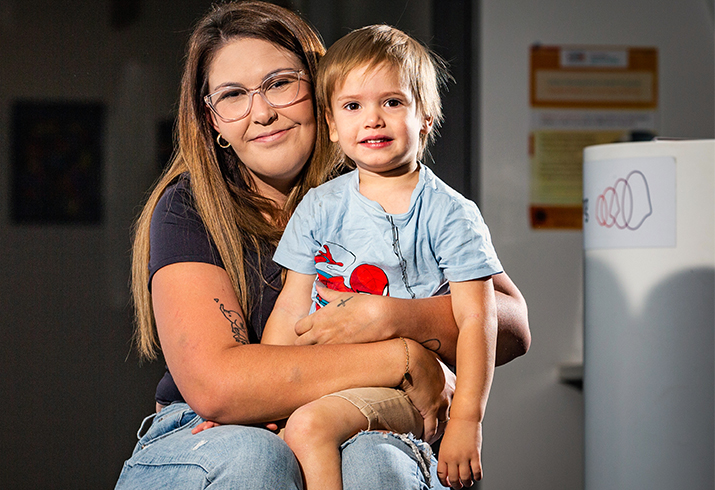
{"x":430,"y":386}
{"x":353,"y":318}
{"x":348,"y":318}
{"x":359,"y":318}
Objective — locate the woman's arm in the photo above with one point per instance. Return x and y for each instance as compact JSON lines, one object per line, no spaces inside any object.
{"x":351,"y":318}
{"x":226,"y":380}
{"x":513,"y":334}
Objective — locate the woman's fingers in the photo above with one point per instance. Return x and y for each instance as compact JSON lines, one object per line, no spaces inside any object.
{"x":348,"y":318}
{"x":429,"y":431}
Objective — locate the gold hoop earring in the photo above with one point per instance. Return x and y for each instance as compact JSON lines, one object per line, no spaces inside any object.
{"x":218,"y":141}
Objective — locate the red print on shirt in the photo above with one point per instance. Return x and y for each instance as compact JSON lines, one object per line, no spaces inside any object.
{"x":365,"y":278}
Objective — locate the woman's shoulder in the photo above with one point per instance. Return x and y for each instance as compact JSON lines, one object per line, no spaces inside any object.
{"x":177,"y":197}
{"x":177,"y":233}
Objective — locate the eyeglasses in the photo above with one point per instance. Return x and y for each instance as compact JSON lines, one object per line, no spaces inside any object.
{"x":278,"y":90}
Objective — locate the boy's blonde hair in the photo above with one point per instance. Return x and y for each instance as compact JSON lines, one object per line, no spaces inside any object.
{"x":419,"y":68}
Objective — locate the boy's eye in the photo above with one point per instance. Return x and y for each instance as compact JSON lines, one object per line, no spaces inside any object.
{"x":393,"y":103}
{"x":352,"y":106}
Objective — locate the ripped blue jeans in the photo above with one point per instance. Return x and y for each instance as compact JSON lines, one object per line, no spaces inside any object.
{"x":169,"y":457}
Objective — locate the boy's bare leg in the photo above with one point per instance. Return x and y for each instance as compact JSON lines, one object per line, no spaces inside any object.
{"x":315,"y":432}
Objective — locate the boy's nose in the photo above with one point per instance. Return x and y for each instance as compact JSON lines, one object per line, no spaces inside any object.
{"x":373,"y":119}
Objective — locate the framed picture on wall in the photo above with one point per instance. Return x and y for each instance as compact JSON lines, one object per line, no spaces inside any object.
{"x":56,"y":162}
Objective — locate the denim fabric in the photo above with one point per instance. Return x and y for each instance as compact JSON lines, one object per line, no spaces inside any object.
{"x":169,"y":457}
{"x":382,"y":460}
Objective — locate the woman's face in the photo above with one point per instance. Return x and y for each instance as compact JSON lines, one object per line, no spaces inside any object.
{"x":274,"y":144}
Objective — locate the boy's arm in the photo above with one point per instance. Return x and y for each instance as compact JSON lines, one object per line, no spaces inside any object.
{"x":474,"y":308}
{"x":293,"y":303}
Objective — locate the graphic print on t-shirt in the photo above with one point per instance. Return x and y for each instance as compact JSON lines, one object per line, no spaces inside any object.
{"x":336,"y":264}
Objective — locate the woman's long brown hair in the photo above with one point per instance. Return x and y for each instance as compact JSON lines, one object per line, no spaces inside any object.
{"x":234,"y":214}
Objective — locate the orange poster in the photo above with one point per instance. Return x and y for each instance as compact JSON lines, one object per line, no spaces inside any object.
{"x":583,"y":96}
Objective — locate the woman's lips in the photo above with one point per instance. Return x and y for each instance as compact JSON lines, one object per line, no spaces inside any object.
{"x":271,"y":136}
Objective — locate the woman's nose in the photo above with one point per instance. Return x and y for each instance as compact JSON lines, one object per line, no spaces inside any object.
{"x":261,"y":111}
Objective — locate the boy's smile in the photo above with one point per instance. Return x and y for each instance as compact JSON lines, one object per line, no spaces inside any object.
{"x":374,"y":118}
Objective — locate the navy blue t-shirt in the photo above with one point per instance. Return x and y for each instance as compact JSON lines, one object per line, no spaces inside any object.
{"x":178,"y":235}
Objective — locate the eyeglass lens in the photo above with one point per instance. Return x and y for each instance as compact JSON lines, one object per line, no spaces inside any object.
{"x":279,"y":90}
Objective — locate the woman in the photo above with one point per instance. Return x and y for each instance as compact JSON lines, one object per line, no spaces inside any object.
{"x":249,"y":149}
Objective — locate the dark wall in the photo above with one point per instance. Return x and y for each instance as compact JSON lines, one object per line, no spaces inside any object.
{"x":73,"y":390}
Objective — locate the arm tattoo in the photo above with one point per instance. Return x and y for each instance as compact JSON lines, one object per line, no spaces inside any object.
{"x":343,"y":301}
{"x":432,"y":344}
{"x":237,"y":326}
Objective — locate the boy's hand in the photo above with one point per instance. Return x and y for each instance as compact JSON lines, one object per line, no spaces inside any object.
{"x":460,"y":454}
{"x":206,"y":424}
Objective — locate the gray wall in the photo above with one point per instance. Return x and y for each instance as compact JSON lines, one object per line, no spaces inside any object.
{"x":534,"y":424}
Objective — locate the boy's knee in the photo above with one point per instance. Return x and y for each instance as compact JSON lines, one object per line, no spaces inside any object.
{"x":308,"y":425}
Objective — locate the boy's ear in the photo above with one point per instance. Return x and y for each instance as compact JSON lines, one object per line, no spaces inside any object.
{"x":427,"y":125}
{"x":332,"y":130}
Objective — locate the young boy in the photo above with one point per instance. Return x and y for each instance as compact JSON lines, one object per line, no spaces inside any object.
{"x":390,"y":227}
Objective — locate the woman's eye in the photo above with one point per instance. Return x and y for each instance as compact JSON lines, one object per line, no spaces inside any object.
{"x":231,"y":94}
{"x":280,"y":83}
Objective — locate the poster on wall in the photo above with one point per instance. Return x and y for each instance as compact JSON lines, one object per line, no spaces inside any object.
{"x":56,"y":162}
{"x":582,"y":96}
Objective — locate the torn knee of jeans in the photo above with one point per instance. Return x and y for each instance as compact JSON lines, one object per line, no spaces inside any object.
{"x":421,"y":451}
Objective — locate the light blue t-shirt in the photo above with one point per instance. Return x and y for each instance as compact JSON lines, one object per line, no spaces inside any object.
{"x":354,"y":245}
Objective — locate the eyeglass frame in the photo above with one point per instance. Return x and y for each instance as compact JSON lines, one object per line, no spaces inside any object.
{"x":258,"y":90}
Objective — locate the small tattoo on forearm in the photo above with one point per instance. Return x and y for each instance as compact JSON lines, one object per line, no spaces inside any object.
{"x":343,"y":301}
{"x":237,"y":326}
{"x":432,"y":344}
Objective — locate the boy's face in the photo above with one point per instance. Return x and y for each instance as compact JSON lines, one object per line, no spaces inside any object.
{"x":374,"y":118}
